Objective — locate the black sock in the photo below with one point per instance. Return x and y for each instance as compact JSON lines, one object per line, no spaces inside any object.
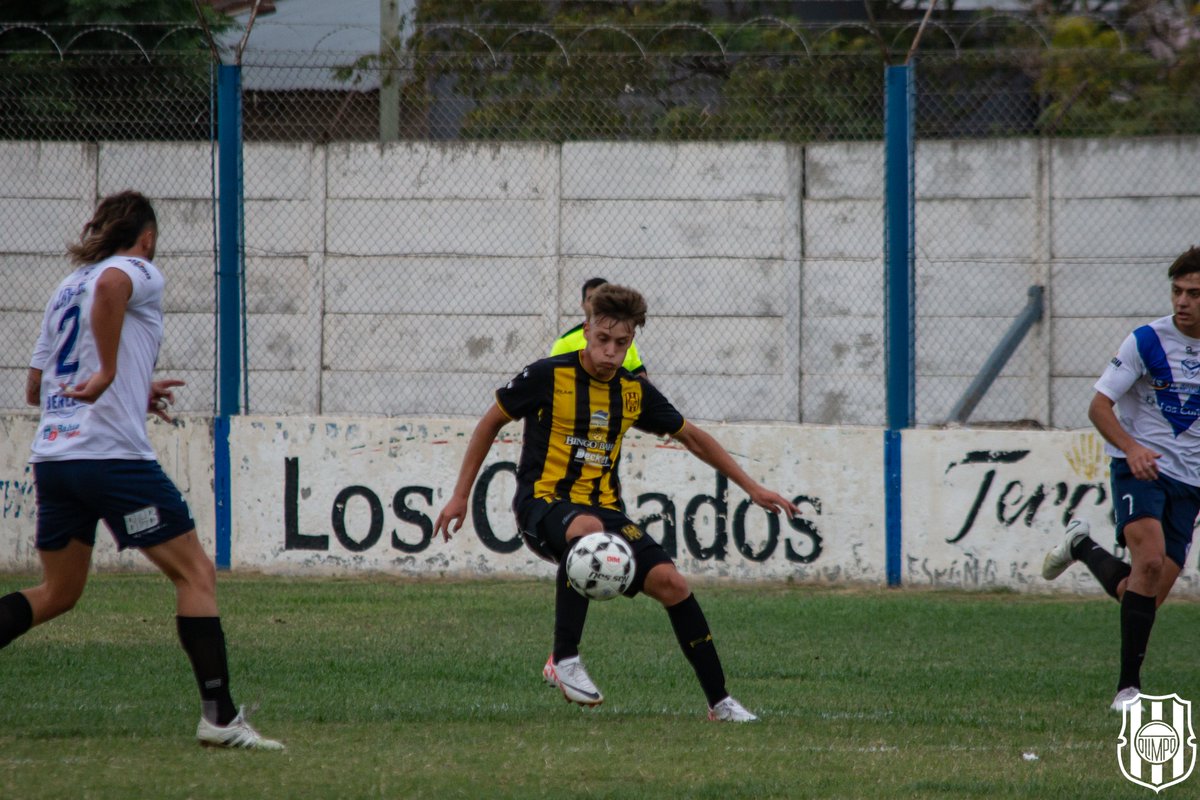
{"x":695,"y":639}
{"x":204,"y":642}
{"x":1107,"y":568}
{"x":570,"y":612}
{"x":1137,"y":618}
{"x":16,"y":617}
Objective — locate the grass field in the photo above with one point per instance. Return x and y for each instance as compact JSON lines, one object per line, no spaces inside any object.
{"x":385,"y":688}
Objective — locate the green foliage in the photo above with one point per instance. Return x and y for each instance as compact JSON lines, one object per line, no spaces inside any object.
{"x":637,"y":70}
{"x":387,"y":688}
{"x":105,"y":69}
{"x":683,"y":71}
{"x":1092,"y":85}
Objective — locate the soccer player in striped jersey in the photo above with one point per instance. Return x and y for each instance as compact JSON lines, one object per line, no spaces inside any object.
{"x":577,"y":408}
{"x":1146,"y":407}
{"x":91,"y":374}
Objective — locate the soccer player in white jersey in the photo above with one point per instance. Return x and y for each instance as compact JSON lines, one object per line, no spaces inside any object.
{"x":91,"y":375}
{"x":1147,"y":407}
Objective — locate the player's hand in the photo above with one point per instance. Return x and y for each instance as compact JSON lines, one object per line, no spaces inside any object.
{"x":88,"y":391}
{"x":454,"y":512}
{"x":162,"y":398}
{"x":774,"y":502}
{"x":1143,"y":462}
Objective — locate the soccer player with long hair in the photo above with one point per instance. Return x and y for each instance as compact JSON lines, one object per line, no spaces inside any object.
{"x":92,"y":376}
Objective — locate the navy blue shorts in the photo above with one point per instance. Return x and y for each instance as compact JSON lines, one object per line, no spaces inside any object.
{"x":1173,"y":503}
{"x":137,"y":501}
{"x":544,"y":528}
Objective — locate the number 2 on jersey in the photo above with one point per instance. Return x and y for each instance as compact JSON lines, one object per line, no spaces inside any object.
{"x":69,"y":322}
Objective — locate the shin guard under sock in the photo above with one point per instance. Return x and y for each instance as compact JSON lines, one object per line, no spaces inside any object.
{"x":204,"y":642}
{"x":16,"y":617}
{"x":1137,"y":618}
{"x":1108,"y":569}
{"x":570,"y":612}
{"x":695,"y":639}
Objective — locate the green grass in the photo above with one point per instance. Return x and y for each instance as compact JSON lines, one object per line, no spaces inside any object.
{"x":385,"y":688}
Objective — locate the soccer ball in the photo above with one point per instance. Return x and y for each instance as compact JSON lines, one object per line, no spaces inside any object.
{"x":600,"y":566}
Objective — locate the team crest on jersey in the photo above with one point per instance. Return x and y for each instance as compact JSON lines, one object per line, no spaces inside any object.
{"x":1191,"y":367}
{"x":633,"y":402}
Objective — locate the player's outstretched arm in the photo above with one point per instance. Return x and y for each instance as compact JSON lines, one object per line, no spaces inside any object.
{"x":704,"y":447}
{"x":451,"y":518}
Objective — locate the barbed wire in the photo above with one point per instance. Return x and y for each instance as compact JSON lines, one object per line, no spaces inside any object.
{"x":722,"y":40}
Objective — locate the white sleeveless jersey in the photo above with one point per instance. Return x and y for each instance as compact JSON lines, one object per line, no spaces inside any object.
{"x":115,"y":425}
{"x":1155,"y":381}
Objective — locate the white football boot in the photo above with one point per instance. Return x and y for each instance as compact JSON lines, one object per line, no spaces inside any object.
{"x":571,"y":678}
{"x":1058,"y":559}
{"x":730,"y":710}
{"x":237,"y":733}
{"x":1128,"y":693}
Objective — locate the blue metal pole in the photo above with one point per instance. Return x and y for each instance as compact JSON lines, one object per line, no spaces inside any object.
{"x":900,"y":290}
{"x":229,"y":294}
{"x":899,"y":248}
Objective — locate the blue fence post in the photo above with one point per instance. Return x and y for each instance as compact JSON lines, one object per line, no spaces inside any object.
{"x":229,"y":295}
{"x":899,"y":288}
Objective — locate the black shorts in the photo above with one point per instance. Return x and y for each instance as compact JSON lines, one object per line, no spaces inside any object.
{"x":544,"y":528}
{"x":1173,"y":503}
{"x":136,"y":499}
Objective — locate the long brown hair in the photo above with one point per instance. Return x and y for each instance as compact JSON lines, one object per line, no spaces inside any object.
{"x":118,"y":222}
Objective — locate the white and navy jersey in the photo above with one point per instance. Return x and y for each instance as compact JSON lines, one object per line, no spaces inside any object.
{"x":115,"y":425}
{"x":1155,"y":381}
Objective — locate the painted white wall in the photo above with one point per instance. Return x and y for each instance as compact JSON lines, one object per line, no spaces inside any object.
{"x":982,"y":508}
{"x":343,"y":495}
{"x":184,"y":449}
{"x":362,"y":495}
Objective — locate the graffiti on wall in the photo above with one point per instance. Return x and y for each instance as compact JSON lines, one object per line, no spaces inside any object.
{"x":730,"y":529}
{"x":1003,"y":494}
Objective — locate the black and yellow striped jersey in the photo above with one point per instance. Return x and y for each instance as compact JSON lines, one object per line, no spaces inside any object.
{"x":574,"y":425}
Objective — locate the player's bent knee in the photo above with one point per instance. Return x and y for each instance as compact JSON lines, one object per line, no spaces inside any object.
{"x":54,"y":601}
{"x":1151,"y":565}
{"x":667,"y":585}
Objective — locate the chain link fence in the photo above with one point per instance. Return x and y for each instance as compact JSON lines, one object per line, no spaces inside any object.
{"x":1070,"y":170}
{"x":85,"y":112}
{"x":418,"y":223}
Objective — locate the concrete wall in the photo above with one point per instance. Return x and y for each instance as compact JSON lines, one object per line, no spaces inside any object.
{"x":185,"y":451}
{"x":414,"y":278}
{"x":347,"y":495}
